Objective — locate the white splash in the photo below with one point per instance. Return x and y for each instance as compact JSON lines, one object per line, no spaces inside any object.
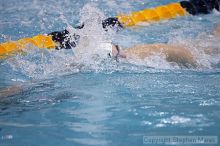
{"x":42,"y":63}
{"x":89,"y":49}
{"x":176,"y":120}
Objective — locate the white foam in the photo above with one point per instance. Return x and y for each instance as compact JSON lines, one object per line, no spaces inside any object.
{"x":176,"y":120}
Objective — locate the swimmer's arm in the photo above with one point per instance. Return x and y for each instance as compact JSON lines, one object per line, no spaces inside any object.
{"x":9,"y":91}
{"x":173,"y":53}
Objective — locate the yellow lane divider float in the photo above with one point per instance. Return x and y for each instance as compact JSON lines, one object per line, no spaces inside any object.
{"x":159,"y":13}
{"x":41,"y":41}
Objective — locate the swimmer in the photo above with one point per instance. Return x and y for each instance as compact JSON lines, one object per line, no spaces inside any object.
{"x":172,"y":52}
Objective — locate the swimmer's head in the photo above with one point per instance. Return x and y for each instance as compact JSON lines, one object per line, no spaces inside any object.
{"x":110,"y":50}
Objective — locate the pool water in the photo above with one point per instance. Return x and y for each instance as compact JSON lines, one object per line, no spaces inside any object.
{"x":53,"y":102}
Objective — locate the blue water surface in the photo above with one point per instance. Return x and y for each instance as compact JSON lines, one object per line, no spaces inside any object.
{"x":109,"y":105}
